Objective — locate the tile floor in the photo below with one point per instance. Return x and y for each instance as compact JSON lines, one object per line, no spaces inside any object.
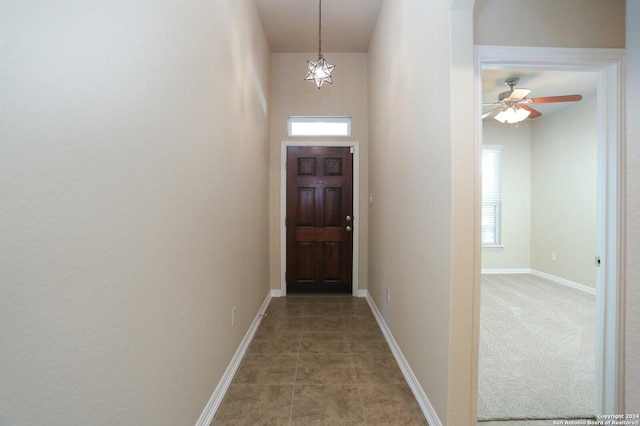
{"x":319,"y":360}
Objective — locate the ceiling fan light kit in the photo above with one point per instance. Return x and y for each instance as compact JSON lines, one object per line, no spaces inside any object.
{"x":513,"y":105}
{"x":512,"y":115}
{"x":319,"y":71}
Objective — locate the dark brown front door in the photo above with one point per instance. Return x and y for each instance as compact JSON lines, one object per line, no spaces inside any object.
{"x":319,"y":219}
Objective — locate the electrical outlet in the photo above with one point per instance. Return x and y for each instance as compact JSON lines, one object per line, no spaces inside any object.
{"x":388,"y":295}
{"x":554,"y":257}
{"x":233,"y":316}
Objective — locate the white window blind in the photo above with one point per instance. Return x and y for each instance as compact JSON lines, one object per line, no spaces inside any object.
{"x":491,"y":196}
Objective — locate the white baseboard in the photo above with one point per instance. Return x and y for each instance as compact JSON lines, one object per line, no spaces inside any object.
{"x":541,"y":274}
{"x":562,"y":281}
{"x":506,"y":271}
{"x":276,"y":292}
{"x":362,"y":292}
{"x":427,"y":409}
{"x":218,"y":394}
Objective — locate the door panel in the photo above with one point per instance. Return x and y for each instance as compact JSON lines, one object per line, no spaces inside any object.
{"x":319,"y":199}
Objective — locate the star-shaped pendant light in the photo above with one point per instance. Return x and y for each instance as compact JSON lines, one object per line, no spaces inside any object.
{"x":319,"y":71}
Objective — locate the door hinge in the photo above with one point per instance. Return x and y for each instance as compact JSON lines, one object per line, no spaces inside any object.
{"x":598,"y":261}
{"x":351,"y":150}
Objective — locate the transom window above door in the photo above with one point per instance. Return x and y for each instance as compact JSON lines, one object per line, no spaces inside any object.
{"x":319,"y":126}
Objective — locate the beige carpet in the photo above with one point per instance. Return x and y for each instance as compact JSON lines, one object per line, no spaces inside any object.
{"x":537,"y":348}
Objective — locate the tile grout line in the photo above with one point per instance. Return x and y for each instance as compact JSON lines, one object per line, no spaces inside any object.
{"x":295,"y":376}
{"x":358,"y":383}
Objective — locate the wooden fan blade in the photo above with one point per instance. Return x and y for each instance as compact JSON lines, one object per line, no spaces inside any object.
{"x":518,"y":94}
{"x":534,"y":113}
{"x":492,"y":112}
{"x":551,"y":99}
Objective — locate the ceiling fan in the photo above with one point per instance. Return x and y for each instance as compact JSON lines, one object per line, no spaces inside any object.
{"x":513,"y":105}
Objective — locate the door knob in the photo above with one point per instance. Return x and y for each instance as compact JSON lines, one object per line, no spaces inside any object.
{"x":348,"y":228}
{"x":348,"y":218}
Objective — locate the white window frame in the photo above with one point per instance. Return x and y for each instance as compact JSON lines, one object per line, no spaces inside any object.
{"x":491,"y":225}
{"x":319,"y":126}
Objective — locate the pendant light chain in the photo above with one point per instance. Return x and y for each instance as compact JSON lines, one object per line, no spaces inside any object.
{"x":319,"y":71}
{"x":319,"y":28}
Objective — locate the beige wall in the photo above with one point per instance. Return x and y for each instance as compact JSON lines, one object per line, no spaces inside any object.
{"x":410,"y":163}
{"x":292,"y":95}
{"x":550,"y":23}
{"x":516,"y":194}
{"x":133,"y":206}
{"x":633,"y":207}
{"x":422,"y":180}
{"x":564,"y":193}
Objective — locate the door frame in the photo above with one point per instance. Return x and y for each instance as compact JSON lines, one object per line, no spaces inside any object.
{"x":610,"y":292}
{"x":356,"y":206}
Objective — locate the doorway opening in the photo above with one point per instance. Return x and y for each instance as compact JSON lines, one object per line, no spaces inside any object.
{"x":606,"y":64}
{"x":301,"y":275}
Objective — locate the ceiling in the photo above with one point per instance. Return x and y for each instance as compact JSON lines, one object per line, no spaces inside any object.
{"x":347,"y":26}
{"x":292,"y":25}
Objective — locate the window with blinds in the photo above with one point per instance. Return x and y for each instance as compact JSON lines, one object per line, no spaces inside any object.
{"x":491,"y":196}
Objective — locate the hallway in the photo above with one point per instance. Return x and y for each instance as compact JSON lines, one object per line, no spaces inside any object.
{"x":319,"y":360}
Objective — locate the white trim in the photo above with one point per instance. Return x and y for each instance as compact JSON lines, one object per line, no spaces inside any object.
{"x":609,"y":63}
{"x":541,"y":274}
{"x":423,"y":401}
{"x":362,"y":292}
{"x":276,"y":292}
{"x":556,"y":58}
{"x":562,"y":281}
{"x":283,"y":206}
{"x":223,"y":386}
{"x":506,"y":271}
{"x":611,"y":240}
